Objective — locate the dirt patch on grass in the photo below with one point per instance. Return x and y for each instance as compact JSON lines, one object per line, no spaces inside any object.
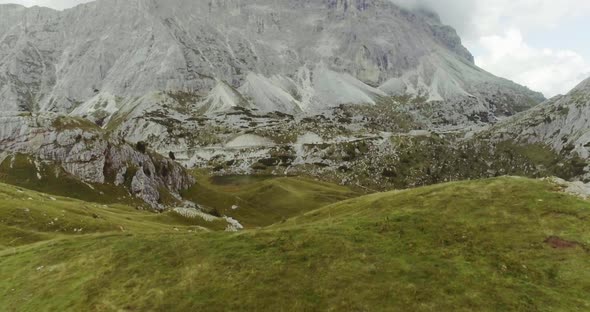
{"x":562,"y":214}
{"x":559,"y":243}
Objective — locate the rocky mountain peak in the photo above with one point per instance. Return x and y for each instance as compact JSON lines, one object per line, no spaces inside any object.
{"x":584,"y":86}
{"x":129,"y":49}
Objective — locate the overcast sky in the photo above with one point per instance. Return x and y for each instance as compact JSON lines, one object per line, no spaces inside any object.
{"x":543,"y":44}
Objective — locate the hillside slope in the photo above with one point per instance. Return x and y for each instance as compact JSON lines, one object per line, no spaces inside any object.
{"x":28,"y":217}
{"x":257,"y":201}
{"x":492,"y":245}
{"x":562,"y":122}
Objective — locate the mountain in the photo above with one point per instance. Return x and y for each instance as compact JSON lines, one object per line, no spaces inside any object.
{"x":270,"y":55}
{"x":292,"y":120}
{"x":562,"y":122}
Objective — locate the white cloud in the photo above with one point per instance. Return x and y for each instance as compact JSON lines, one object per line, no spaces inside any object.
{"x":549,"y":71}
{"x":497,"y":30}
{"x":526,"y":15}
{"x":475,"y":18}
{"x":458,"y":13}
{"x":56,"y":4}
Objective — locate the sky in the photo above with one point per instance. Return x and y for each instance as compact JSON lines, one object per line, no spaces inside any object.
{"x":56,"y":4}
{"x":542,"y":44}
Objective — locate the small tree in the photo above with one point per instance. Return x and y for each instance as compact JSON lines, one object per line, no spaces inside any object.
{"x":172,"y":156}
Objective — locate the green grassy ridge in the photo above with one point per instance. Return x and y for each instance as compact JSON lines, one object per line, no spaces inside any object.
{"x":262,"y":200}
{"x":491,"y":195}
{"x":466,"y":246}
{"x":27,"y":217}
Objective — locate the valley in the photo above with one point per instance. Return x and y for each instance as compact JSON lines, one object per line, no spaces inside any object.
{"x":280,"y":155}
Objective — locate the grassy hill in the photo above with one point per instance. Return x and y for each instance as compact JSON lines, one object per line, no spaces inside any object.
{"x":263,"y":200}
{"x":28,"y":217}
{"x":505,"y":244}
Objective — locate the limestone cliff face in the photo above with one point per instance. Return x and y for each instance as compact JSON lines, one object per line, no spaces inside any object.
{"x":82,"y":150}
{"x":288,"y":55}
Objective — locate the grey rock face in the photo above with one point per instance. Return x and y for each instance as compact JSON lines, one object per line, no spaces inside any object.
{"x":83,"y":151}
{"x":562,"y":122}
{"x":302,"y":54}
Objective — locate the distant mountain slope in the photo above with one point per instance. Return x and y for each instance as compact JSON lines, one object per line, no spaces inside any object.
{"x":562,"y":122}
{"x":290,"y":56}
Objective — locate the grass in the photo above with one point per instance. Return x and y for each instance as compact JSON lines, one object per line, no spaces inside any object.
{"x":73,"y":123}
{"x":28,"y":217}
{"x":264,"y":200}
{"x":466,"y":246}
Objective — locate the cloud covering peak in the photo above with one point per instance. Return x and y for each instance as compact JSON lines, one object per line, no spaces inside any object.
{"x":498,"y":32}
{"x":489,"y":27}
{"x":54,"y":4}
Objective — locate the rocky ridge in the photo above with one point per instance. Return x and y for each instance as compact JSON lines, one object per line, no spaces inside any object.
{"x":562,"y":122}
{"x":84,"y":151}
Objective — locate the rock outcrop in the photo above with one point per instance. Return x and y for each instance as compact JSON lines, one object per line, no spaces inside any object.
{"x":83,"y":150}
{"x":562,"y":122}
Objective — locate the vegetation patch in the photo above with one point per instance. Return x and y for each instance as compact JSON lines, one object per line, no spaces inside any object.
{"x":63,"y":123}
